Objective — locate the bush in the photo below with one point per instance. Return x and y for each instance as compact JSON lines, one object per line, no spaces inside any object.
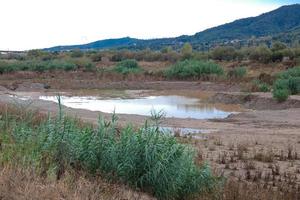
{"x":281,"y":94}
{"x":238,"y":72}
{"x":263,"y":87}
{"x":287,"y":81}
{"x":36,"y":65}
{"x":260,"y":86}
{"x":127,"y":66}
{"x":193,"y":69}
{"x":224,"y":53}
{"x":76,"y":53}
{"x":293,"y":72}
{"x":261,"y":54}
{"x":187,"y":51}
{"x":145,"y":158}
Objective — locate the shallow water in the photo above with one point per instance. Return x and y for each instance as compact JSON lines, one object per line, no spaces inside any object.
{"x":173,"y":106}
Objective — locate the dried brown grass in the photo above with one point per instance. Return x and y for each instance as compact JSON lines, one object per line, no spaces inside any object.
{"x":23,"y":184}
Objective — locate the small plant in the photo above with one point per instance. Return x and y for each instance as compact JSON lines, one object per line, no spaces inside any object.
{"x":259,"y":86}
{"x":127,"y":66}
{"x":193,"y":69}
{"x":281,"y":95}
{"x":288,"y":82}
{"x":238,"y":72}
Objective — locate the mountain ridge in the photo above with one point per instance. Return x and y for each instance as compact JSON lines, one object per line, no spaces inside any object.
{"x":279,"y":21}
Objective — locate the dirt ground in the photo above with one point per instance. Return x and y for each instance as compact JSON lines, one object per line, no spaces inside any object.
{"x":259,"y":144}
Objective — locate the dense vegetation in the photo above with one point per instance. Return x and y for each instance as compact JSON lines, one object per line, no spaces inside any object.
{"x":193,"y":69}
{"x":142,"y":158}
{"x":127,"y":66}
{"x":287,"y":83}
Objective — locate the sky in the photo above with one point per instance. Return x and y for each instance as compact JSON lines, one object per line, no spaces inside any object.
{"x":33,"y":24}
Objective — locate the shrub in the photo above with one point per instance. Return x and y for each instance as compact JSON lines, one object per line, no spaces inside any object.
{"x":263,"y":87}
{"x":261,"y":54}
{"x":238,"y":72}
{"x":259,"y":86}
{"x":224,"y":53}
{"x":96,"y":57}
{"x":76,"y":53}
{"x":187,"y":51}
{"x":193,"y":69}
{"x":292,"y":72}
{"x":287,"y":81}
{"x":145,"y":158}
{"x":127,"y":66}
{"x":281,"y":94}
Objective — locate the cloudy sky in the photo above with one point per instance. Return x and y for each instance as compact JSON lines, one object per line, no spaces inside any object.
{"x":34,"y":24}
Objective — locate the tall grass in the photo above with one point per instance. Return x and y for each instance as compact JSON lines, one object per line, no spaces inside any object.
{"x":128,"y":66}
{"x":193,"y":69}
{"x":238,"y":72}
{"x":143,"y":158}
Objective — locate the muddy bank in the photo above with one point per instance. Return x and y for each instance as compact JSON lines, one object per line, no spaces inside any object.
{"x":75,"y":84}
{"x":257,"y":101}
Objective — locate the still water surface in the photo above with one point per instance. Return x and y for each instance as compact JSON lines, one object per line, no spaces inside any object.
{"x":173,"y":105}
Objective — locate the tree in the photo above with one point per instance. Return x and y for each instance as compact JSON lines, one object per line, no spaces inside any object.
{"x":187,"y":51}
{"x":224,"y":53}
{"x":76,"y":53}
{"x":261,"y":54}
{"x":277,"y":46}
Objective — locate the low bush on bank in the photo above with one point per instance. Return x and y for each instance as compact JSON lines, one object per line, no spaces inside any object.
{"x":143,"y":158}
{"x":260,"y":86}
{"x":193,"y":69}
{"x":287,"y":83}
{"x":238,"y":72}
{"x":65,"y":64}
{"x":128,"y":66}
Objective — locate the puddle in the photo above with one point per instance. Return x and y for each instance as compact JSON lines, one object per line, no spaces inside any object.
{"x":173,"y":105}
{"x":188,"y":132}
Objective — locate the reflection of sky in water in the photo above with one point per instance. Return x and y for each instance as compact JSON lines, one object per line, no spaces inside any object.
{"x":174,"y":106}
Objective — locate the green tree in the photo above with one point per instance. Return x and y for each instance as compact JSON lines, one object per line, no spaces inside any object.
{"x":224,"y":53}
{"x":76,"y":53}
{"x":187,"y":51}
{"x":277,"y":46}
{"x":261,"y":54}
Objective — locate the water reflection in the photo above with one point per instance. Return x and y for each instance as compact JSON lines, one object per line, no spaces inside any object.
{"x":174,"y":106}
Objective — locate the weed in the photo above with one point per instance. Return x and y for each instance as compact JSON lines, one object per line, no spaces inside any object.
{"x":193,"y":69}
{"x":127,"y":66}
{"x":238,"y":72}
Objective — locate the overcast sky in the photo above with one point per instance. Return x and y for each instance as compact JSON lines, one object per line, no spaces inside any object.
{"x":30,"y":24}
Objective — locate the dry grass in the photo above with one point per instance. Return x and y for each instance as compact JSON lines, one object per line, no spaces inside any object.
{"x":22,"y":184}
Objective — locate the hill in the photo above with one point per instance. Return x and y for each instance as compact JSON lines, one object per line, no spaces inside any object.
{"x":279,"y":23}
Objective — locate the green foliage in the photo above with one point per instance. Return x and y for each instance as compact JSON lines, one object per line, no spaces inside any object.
{"x":259,"y":86}
{"x":237,"y":72}
{"x":36,"y":65}
{"x":127,"y":66}
{"x":193,"y":69}
{"x":261,"y":54}
{"x":224,"y":53}
{"x":292,"y":72}
{"x":287,"y":82}
{"x":76,"y":53}
{"x":263,"y":87}
{"x":144,"y":158}
{"x":277,"y":46}
{"x":281,"y":95}
{"x":187,"y":51}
